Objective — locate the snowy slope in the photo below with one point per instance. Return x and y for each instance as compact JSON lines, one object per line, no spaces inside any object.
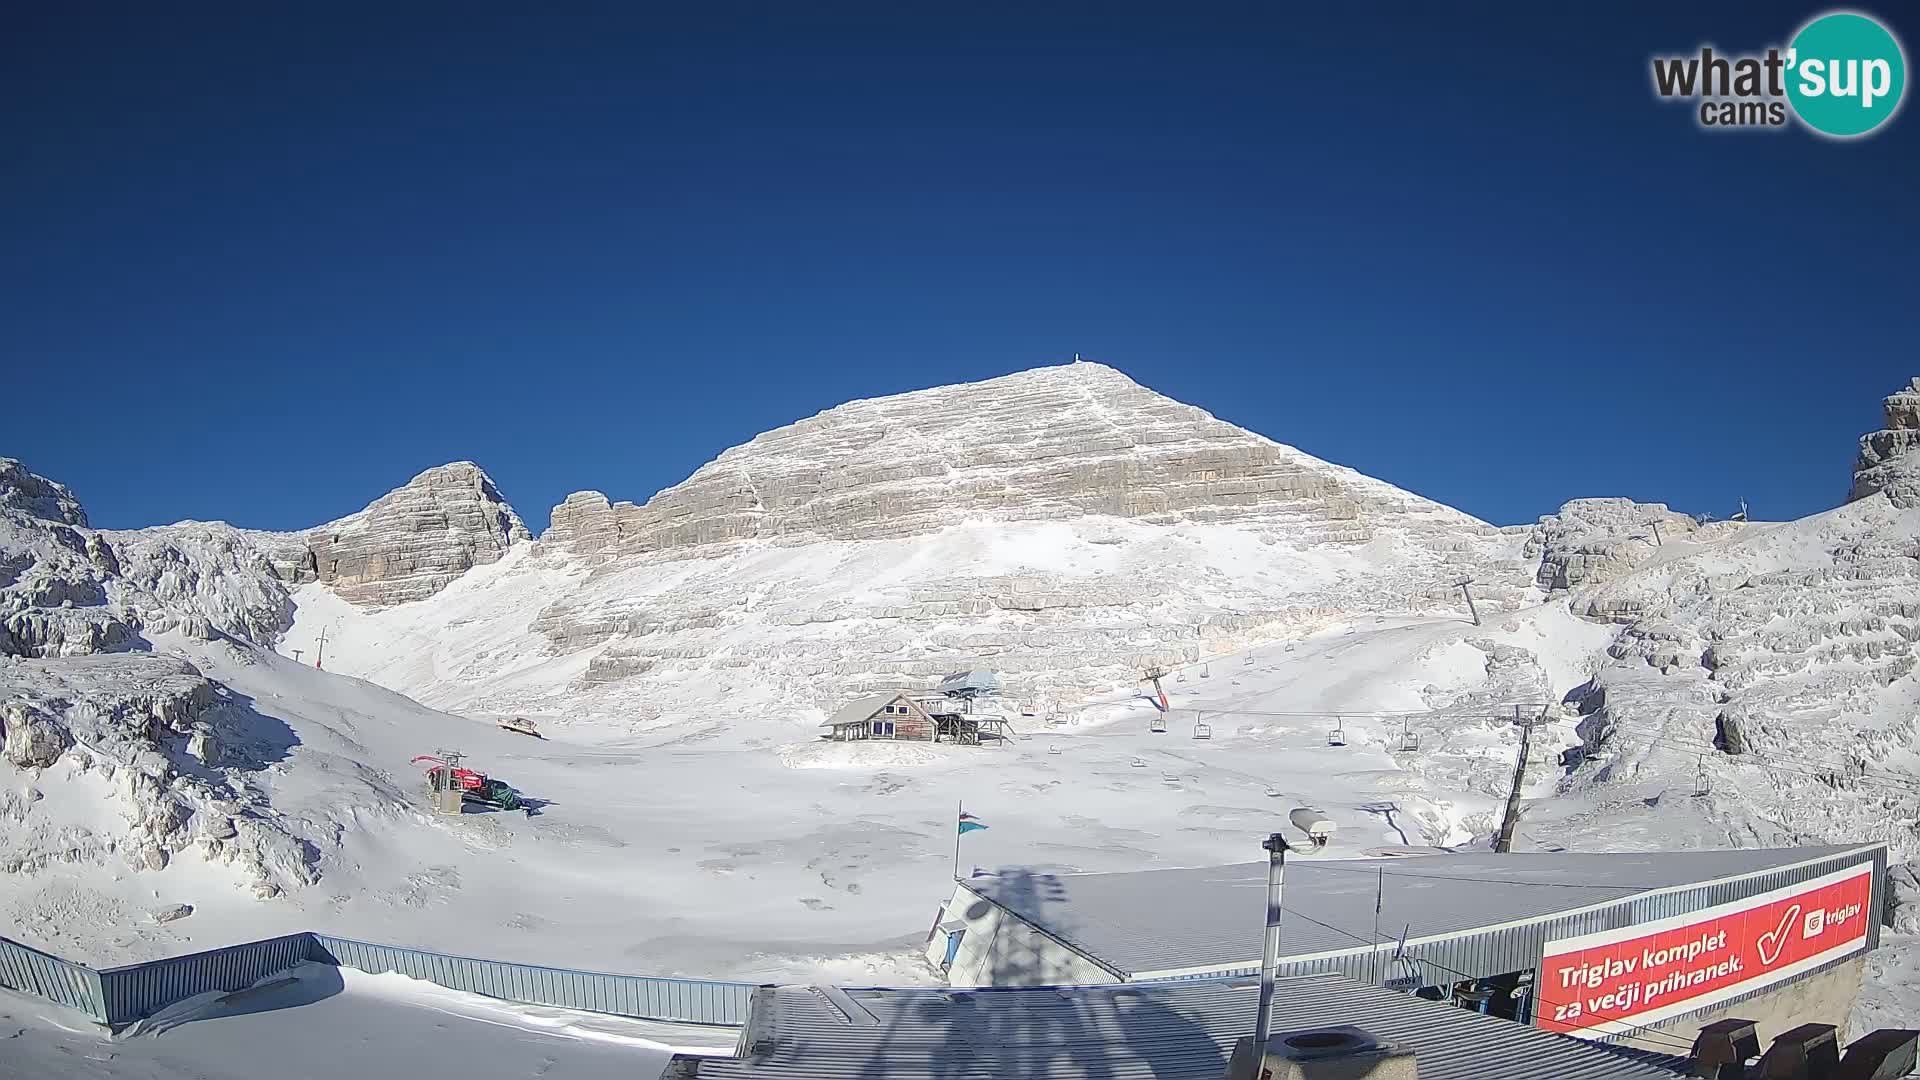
{"x":1795,"y":639}
{"x":791,"y":859}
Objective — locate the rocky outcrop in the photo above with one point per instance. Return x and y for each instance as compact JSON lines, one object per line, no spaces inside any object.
{"x":200,"y":577}
{"x":1590,"y":541}
{"x":415,"y":540}
{"x":1888,"y":462}
{"x":1770,"y":669}
{"x":586,"y":524}
{"x":1048,"y":444}
{"x":150,"y":726}
{"x":36,"y":496}
{"x":33,"y":740}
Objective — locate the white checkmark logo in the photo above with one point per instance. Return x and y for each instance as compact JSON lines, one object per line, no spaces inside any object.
{"x":1772,"y":943}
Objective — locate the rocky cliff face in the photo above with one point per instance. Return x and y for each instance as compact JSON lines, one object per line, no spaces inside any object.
{"x":411,"y":542}
{"x":1888,"y":460}
{"x":37,"y":496}
{"x":1591,"y":541}
{"x":1766,"y":669}
{"x":1048,"y":444}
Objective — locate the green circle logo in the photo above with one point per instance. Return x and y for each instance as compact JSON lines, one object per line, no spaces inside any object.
{"x":1845,"y":74}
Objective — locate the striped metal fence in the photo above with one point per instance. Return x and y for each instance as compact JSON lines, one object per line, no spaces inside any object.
{"x":692,"y":1001}
{"x":43,"y":975}
{"x":136,"y":991}
{"x":122,"y":995}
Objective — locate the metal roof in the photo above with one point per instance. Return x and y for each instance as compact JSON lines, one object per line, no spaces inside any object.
{"x":861,"y":708}
{"x":1166,"y":1031}
{"x":977,"y":682}
{"x":1168,"y":922}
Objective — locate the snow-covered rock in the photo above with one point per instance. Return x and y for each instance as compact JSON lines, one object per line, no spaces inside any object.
{"x":1590,"y":541}
{"x":36,"y":496}
{"x":1770,"y":669}
{"x":413,"y":541}
{"x":33,"y":740}
{"x":1889,"y":459}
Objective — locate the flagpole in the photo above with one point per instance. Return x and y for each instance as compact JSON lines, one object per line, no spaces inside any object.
{"x":959,"y":808}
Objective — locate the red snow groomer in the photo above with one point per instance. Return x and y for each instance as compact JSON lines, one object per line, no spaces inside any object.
{"x":473,"y":786}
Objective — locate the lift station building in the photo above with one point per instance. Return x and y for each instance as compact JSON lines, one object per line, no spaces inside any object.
{"x":1609,"y":947}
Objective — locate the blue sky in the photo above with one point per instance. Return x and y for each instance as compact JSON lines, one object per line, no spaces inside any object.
{"x":266,"y":266}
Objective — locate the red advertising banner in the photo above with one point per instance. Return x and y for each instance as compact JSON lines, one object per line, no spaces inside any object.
{"x":1637,"y":975}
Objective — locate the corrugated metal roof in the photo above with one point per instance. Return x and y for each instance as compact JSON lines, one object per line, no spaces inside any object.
{"x":1169,"y":1031}
{"x":861,"y":708}
{"x":977,"y":681}
{"x":1161,"y":921}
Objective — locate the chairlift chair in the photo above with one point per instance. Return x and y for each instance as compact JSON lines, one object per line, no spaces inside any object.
{"x":1139,"y":763}
{"x":1158,"y":725}
{"x":1181,"y":677}
{"x":1202,"y":731}
{"x":1249,"y":660}
{"x":1028,"y":708}
{"x":1337,"y":737}
{"x":1053,"y":749}
{"x":1409,"y":741}
{"x":1170,"y":777}
{"x":1272,"y":792}
{"x":1206,"y":671}
{"x":1702,"y":780}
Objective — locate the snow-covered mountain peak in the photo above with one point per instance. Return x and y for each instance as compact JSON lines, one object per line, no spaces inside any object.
{"x":411,"y":542}
{"x":1049,"y":444}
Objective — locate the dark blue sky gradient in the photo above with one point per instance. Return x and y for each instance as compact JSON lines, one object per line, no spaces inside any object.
{"x":265,"y":266}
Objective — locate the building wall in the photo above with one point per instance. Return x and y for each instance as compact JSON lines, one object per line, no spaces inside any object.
{"x":999,"y":949}
{"x":909,"y":720}
{"x":1825,"y":997}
